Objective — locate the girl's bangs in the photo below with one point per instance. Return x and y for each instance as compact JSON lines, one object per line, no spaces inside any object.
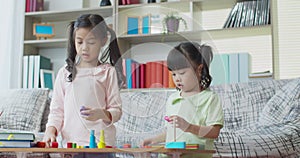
{"x":176,"y":60}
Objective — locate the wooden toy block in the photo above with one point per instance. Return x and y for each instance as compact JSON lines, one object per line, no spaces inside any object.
{"x":126,"y":145}
{"x":41,"y":144}
{"x":175,"y":145}
{"x":54,"y":145}
{"x":69,"y":144}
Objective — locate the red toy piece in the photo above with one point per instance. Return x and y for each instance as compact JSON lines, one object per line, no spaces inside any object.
{"x":69,"y":145}
{"x":41,"y":144}
{"x":54,"y":145}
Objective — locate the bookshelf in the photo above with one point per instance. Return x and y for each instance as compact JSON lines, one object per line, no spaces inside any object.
{"x":205,"y":19}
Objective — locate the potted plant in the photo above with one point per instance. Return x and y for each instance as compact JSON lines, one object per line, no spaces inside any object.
{"x":171,"y":23}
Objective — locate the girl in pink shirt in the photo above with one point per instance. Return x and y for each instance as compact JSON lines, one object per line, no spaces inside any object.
{"x":86,"y":92}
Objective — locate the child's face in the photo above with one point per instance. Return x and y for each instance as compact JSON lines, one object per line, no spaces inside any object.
{"x":87,"y":47}
{"x":186,"y":80}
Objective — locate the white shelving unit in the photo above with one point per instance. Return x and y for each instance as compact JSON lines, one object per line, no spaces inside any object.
{"x":205,"y":20}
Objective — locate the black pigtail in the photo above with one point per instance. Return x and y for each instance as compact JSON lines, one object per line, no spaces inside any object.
{"x":71,"y":52}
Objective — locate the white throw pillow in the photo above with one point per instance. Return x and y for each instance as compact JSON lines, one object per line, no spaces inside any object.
{"x":281,"y":105}
{"x":22,"y":109}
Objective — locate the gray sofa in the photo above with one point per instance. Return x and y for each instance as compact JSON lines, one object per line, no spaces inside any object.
{"x":261,"y":118}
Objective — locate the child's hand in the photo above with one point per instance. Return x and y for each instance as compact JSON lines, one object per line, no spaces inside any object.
{"x":179,"y":122}
{"x":146,"y":142}
{"x":50,"y":136}
{"x":93,"y":114}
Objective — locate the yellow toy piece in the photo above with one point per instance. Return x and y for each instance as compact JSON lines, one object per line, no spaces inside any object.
{"x":101,"y":143}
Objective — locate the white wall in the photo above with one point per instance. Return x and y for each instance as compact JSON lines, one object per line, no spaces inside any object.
{"x":11,"y":46}
{"x":287,"y":54}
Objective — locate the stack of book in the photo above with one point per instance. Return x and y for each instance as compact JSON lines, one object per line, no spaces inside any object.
{"x":152,"y":74}
{"x":16,"y":140}
{"x":249,"y":13}
{"x":32,"y":64}
{"x":34,"y":5}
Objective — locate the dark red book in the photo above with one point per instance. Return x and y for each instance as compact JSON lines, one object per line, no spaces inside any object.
{"x":133,"y":75}
{"x":27,"y":6}
{"x":133,"y":2}
{"x":37,"y":5}
{"x":142,"y":75}
{"x":137,"y":75}
{"x":148,"y":75}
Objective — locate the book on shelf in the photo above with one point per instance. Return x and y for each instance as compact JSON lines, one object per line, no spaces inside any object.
{"x":132,"y":1}
{"x":152,"y":74}
{"x":32,"y":64}
{"x":243,"y":67}
{"x":129,"y":72}
{"x":158,"y":83}
{"x":142,"y":75}
{"x":16,"y":144}
{"x":17,"y":136}
{"x":40,"y":62}
{"x":134,"y":74}
{"x":219,"y":69}
{"x":34,"y":5}
{"x":233,"y":68}
{"x":249,"y":13}
{"x":31,"y":72}
{"x":230,"y":68}
{"x":231,"y":17}
{"x":25,"y":71}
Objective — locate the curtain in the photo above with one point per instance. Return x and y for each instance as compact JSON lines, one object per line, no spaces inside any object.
{"x":11,"y":43}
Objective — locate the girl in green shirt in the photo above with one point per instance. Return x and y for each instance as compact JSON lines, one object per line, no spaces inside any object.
{"x":194,"y":110}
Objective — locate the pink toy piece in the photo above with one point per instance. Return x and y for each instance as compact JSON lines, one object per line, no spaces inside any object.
{"x":167,"y":118}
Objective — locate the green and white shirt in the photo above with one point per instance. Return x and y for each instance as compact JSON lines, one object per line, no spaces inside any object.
{"x":203,"y":109}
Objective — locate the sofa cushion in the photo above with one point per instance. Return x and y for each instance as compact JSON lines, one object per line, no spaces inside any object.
{"x":243,"y":102}
{"x":22,"y":108}
{"x":283,"y":106}
{"x":280,"y":140}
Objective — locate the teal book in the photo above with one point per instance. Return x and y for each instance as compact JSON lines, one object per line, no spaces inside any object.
{"x":40,"y":62}
{"x":244,"y":67}
{"x":129,"y":72}
{"x":233,"y":68}
{"x":219,"y":69}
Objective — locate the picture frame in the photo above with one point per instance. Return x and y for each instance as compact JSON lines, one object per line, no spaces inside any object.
{"x":47,"y":78}
{"x":132,"y":25}
{"x":146,"y":24}
{"x":43,"y":30}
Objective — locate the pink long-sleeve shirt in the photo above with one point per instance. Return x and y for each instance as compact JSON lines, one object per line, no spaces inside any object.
{"x":92,"y":87}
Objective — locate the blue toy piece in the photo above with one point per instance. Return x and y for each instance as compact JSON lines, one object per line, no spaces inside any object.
{"x":175,"y":145}
{"x":92,"y":139}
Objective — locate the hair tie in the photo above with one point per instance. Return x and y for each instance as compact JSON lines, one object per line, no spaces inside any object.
{"x":76,"y":24}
